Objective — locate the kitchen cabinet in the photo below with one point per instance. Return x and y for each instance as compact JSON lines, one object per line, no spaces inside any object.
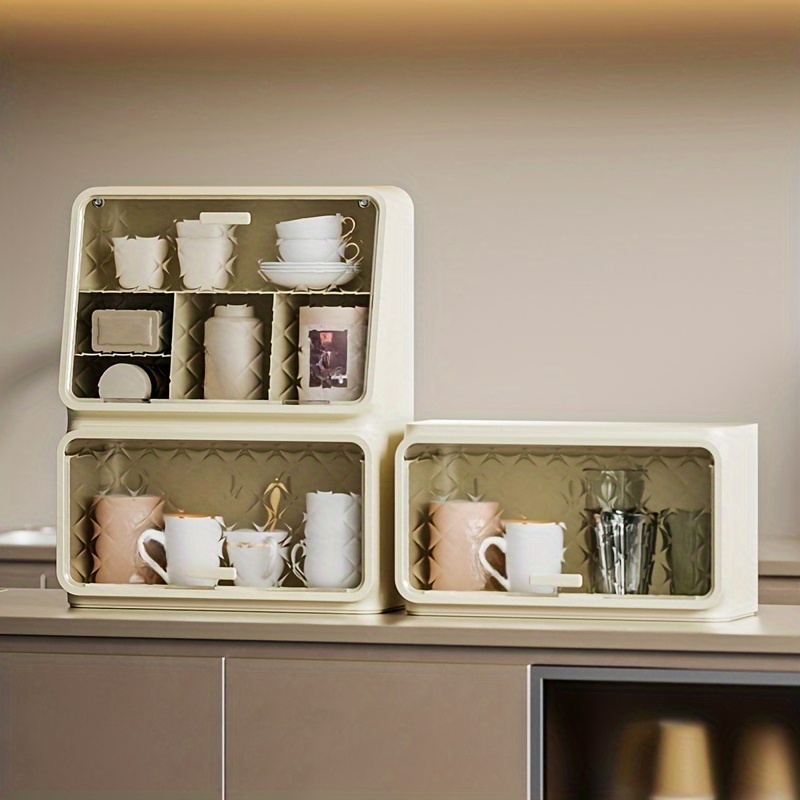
{"x":308,"y":730}
{"x":95,"y":727}
{"x":175,"y":704}
{"x":28,"y":575}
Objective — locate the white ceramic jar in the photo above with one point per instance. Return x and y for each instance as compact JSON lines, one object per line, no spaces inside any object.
{"x":234,"y":346}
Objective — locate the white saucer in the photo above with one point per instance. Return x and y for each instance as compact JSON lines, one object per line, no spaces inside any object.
{"x":307,"y":276}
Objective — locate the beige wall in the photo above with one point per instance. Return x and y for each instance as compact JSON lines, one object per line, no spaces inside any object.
{"x":604,"y":232}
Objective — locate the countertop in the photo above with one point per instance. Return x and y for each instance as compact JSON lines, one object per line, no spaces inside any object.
{"x":779,"y":558}
{"x":34,"y":612}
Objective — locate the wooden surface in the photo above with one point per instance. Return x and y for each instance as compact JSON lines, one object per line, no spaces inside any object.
{"x":775,"y":630}
{"x":131,"y":728}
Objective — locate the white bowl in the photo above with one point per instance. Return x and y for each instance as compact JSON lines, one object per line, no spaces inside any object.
{"x":194,"y":229}
{"x":326,"y":227}
{"x":307,"y":251}
{"x":309,"y":276}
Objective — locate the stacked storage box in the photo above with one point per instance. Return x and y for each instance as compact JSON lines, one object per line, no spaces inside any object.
{"x":227,"y":399}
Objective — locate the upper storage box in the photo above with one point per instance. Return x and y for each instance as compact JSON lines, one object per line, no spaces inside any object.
{"x":656,"y":521}
{"x":184,"y":300}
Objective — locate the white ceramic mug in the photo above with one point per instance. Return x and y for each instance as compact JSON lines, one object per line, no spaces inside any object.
{"x":328,"y":564}
{"x":205,"y":262}
{"x":316,"y":251}
{"x":141,"y":262}
{"x":324,"y":227}
{"x":258,"y":556}
{"x":193,"y":545}
{"x":531,"y":548}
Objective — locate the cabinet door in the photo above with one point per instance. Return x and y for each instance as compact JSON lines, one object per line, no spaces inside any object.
{"x":308,"y":730}
{"x":97,"y":727}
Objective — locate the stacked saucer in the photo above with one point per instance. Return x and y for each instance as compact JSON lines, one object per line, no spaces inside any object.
{"x":313,"y":253}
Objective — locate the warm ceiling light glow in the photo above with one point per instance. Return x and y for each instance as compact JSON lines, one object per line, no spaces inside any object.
{"x":361,"y":25}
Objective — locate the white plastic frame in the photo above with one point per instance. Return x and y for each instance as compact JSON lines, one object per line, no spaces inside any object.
{"x":375,"y":593}
{"x":734,"y":591}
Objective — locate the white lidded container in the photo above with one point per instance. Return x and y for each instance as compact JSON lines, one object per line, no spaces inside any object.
{"x":234,"y":345}
{"x":383,"y":219}
{"x":214,"y":433}
{"x":700,"y":482}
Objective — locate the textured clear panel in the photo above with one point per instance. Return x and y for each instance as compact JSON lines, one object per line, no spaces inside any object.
{"x":284,"y":376}
{"x":547,"y":483}
{"x":255,"y":242}
{"x":225,"y":479}
{"x":191,"y":313}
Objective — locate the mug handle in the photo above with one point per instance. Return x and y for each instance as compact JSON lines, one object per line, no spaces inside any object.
{"x":355,"y":255}
{"x":294,"y":561}
{"x":345,"y":234}
{"x":500,"y":543}
{"x":152,"y":535}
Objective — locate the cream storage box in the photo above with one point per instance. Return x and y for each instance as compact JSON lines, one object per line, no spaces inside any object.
{"x":265,"y":382}
{"x":115,"y":229}
{"x":249,"y":475}
{"x":682,"y":498}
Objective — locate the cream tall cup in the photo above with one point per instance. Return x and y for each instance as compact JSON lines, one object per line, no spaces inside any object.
{"x":683,"y":762}
{"x":193,"y":545}
{"x":767,"y":765}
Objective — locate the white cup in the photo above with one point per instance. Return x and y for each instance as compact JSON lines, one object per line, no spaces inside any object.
{"x":333,"y":516}
{"x":316,"y":251}
{"x":531,"y":548}
{"x":194,"y":229}
{"x":193,"y":545}
{"x":258,"y":556}
{"x":205,"y":262}
{"x":328,"y":564}
{"x":325,"y":227}
{"x":141,"y":262}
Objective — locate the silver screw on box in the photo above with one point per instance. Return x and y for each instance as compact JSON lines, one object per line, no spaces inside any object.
{"x":363,"y":202}
{"x":98,"y":202}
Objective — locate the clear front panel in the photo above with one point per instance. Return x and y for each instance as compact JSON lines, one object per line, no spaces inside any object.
{"x":283,"y":514}
{"x":537,"y":521}
{"x":231,"y":299}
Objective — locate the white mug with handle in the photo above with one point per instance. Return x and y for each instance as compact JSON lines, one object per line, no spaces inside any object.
{"x":193,"y":545}
{"x":531,"y":548}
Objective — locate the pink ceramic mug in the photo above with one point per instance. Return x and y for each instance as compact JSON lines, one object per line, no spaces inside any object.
{"x":118,"y":522}
{"x":457,"y":530}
